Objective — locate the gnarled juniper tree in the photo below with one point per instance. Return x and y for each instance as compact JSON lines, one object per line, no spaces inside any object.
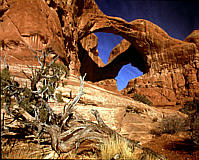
{"x":44,"y":81}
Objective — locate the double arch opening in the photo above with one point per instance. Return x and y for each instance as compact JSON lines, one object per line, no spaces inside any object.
{"x":115,"y":67}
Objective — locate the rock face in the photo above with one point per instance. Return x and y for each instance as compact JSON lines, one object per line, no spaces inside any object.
{"x":27,"y":24}
{"x":173,"y":73}
{"x":170,"y":66}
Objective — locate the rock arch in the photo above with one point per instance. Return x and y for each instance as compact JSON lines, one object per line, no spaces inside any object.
{"x":142,"y":40}
{"x":115,"y":63}
{"x":171,"y":66}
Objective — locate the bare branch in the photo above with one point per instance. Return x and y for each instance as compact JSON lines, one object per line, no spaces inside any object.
{"x":39,"y":61}
{"x":98,"y":118}
{"x":26,"y":75}
{"x":44,"y":58}
{"x":32,"y":49}
{"x":48,"y":77}
{"x":4,"y":62}
{"x":53,"y":60}
{"x":78,"y":96}
{"x":71,"y":108}
{"x":31,"y":68}
{"x":67,"y":130}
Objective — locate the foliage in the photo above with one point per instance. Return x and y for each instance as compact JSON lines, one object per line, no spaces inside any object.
{"x":61,"y":68}
{"x":142,"y":98}
{"x":190,"y":106}
{"x":134,"y":109}
{"x":5,"y":75}
{"x":192,"y":109}
{"x":5,"y":80}
{"x":170,"y":125}
{"x":67,"y":130}
{"x":59,"y":97}
{"x":34,"y":99}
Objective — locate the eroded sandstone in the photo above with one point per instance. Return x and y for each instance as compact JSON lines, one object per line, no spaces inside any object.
{"x":170,"y":66}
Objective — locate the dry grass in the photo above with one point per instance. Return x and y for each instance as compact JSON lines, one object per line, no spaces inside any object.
{"x":73,"y":155}
{"x":116,"y":148}
{"x":24,"y":149}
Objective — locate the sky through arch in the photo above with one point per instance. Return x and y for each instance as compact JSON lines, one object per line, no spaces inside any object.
{"x":106,"y":42}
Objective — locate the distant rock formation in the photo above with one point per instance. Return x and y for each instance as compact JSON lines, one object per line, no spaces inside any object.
{"x":170,"y":66}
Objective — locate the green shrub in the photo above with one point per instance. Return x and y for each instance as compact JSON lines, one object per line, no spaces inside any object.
{"x":59,"y":97}
{"x":134,"y":109}
{"x":5,"y":80}
{"x":43,"y":114}
{"x":5,"y":74}
{"x":34,"y":100}
{"x":142,"y":98}
{"x":60,"y":68}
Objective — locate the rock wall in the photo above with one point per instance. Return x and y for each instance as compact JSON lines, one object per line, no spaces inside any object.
{"x":175,"y":78}
{"x":170,"y":66}
{"x":25,"y":24}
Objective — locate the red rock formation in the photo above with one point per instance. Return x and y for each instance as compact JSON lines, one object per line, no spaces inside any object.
{"x":89,"y":44}
{"x":170,"y":65}
{"x":193,"y":38}
{"x":27,"y":23}
{"x":173,"y":76}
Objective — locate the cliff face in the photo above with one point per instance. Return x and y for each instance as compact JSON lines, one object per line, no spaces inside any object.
{"x":170,"y":65}
{"x":29,"y":23}
{"x":173,"y":65}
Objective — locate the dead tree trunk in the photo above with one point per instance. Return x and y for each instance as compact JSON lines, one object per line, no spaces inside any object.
{"x":74,"y":130}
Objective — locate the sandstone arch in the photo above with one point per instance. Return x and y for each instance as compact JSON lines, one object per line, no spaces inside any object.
{"x":111,"y":69}
{"x":157,"y":49}
{"x":170,"y":65}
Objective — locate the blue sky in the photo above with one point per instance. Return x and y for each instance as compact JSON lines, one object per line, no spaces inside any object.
{"x":177,"y":17}
{"x":106,"y":42}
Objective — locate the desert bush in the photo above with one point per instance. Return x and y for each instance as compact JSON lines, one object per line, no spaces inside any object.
{"x":194,"y":128}
{"x":170,"y":125}
{"x":61,"y":68}
{"x":34,"y":99}
{"x":142,"y":98}
{"x":192,"y":109}
{"x":134,"y":109}
{"x":190,"y":106}
{"x":68,"y":129}
{"x":5,"y":80}
{"x":5,"y":75}
{"x":59,"y":97}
